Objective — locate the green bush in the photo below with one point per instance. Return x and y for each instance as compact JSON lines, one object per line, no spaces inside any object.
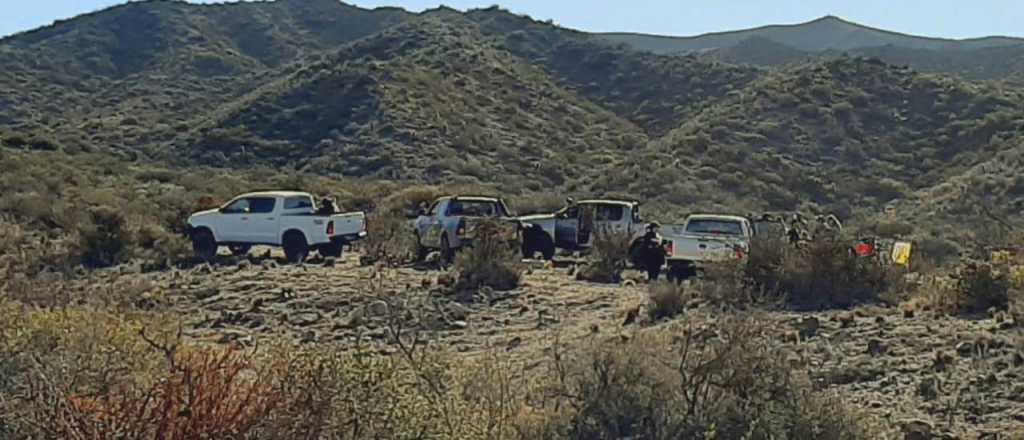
{"x":106,"y":240}
{"x":982,"y":286}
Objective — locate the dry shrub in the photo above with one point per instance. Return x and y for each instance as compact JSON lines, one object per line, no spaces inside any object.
{"x":209,"y":393}
{"x":490,"y":261}
{"x":160,"y":248}
{"x":825,"y":273}
{"x":389,"y":238}
{"x":684,"y":383}
{"x":666,"y":299}
{"x":608,"y":258}
{"x":390,"y":235}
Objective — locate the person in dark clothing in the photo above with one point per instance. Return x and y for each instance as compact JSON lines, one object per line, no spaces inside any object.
{"x":326,"y":206}
{"x":652,"y":253}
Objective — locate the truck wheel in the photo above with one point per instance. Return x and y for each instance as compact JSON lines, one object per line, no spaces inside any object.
{"x":240,"y":250}
{"x":680,"y":272}
{"x":332,"y":250}
{"x":447,"y":253}
{"x":296,"y":249}
{"x":204,"y":245}
{"x":535,"y":242}
{"x":421,"y":251}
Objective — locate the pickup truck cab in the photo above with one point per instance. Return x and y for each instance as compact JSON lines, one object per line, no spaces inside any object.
{"x":705,"y":238}
{"x":287,"y":219}
{"x":451,"y":223}
{"x":574,"y":226}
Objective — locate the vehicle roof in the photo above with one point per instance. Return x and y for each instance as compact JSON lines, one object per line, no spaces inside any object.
{"x":472,"y":198}
{"x":610,"y":202}
{"x":716,"y":217}
{"x":275,"y":194}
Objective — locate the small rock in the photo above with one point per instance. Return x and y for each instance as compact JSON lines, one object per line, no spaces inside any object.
{"x":205,"y":269}
{"x":268,"y":264}
{"x":916,"y":429}
{"x":877,"y":348}
{"x":377,"y":308}
{"x":846,"y":320}
{"x":244,"y":265}
{"x":513,"y":343}
{"x":204,"y":294}
{"x":459,"y":325}
{"x":458,"y":311}
{"x":594,"y":328}
{"x":308,"y":336}
{"x":879,"y":320}
{"x":808,"y":327}
{"x":965,"y":349}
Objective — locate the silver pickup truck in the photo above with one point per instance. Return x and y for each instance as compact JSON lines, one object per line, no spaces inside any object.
{"x":451,"y":222}
{"x":705,"y":238}
{"x":574,"y":226}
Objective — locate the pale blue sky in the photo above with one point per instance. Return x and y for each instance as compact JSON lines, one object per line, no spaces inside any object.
{"x":936,"y":18}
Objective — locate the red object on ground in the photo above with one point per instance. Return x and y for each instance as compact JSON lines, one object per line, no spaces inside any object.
{"x":864,"y":249}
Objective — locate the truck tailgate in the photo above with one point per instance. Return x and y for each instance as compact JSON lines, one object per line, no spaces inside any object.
{"x":349,"y":224}
{"x":700,"y":247}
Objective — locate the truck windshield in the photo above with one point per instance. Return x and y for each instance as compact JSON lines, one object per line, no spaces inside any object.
{"x":709,"y":226}
{"x":474,"y":208}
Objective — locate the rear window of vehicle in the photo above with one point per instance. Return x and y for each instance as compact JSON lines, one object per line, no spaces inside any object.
{"x":708,"y":226}
{"x":609,"y":213}
{"x":298,"y":203}
{"x":474,"y":208}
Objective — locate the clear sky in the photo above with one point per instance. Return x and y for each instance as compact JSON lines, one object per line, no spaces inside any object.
{"x":934,"y":18}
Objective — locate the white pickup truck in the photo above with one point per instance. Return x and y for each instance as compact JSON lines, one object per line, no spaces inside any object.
{"x":287,"y":219}
{"x":703,"y":239}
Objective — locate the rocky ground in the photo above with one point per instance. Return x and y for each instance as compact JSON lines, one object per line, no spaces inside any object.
{"x":934,"y":377}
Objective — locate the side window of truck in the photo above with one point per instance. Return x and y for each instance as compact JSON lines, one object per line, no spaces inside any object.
{"x":240,"y":206}
{"x":262,"y":205}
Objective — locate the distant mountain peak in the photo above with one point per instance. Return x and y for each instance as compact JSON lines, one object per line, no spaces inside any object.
{"x":829,"y":32}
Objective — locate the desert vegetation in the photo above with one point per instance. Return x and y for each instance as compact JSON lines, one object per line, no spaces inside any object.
{"x":110,"y":328}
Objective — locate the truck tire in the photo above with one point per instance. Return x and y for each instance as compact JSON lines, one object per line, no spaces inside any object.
{"x":204,"y":245}
{"x":447,"y":253}
{"x":332,"y":250}
{"x":679,"y":272}
{"x":421,"y":250}
{"x":296,"y":249}
{"x":534,"y":242}
{"x":240,"y":249}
